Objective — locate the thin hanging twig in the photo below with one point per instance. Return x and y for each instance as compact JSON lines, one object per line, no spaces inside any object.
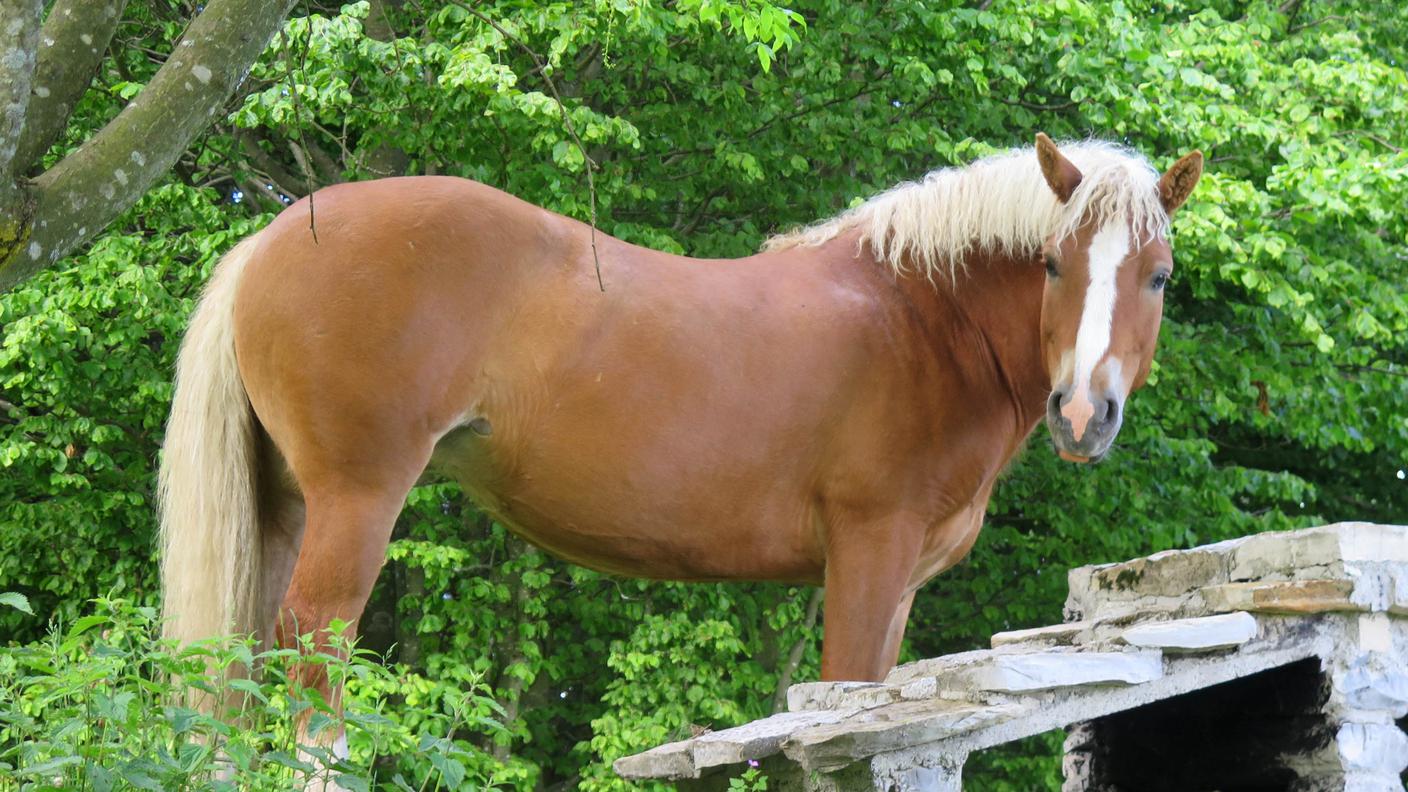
{"x":298,"y":112}
{"x":566,"y":122}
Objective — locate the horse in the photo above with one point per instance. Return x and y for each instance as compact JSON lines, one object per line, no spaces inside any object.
{"x":833,"y":411}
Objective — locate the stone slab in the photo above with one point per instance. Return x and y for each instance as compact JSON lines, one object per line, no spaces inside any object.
{"x":891,"y":728}
{"x":1054,"y":635}
{"x":756,"y":740}
{"x":952,"y":728}
{"x":1336,"y":552}
{"x":1020,"y":673}
{"x":1373,"y":747}
{"x":1163,"y":574}
{"x":1202,"y":634}
{"x":939,"y":666}
{"x":671,"y":760}
{"x":759,"y":739}
{"x":1291,"y":597}
{"x":828,"y":695}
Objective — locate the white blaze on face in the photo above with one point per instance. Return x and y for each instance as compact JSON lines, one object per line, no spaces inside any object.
{"x":1107,"y":251}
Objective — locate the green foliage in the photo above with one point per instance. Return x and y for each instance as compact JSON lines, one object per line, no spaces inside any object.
{"x":85,"y":367}
{"x":105,"y":705}
{"x":1277,"y":398}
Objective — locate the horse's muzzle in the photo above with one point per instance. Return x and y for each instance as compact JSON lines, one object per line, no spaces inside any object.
{"x":1097,"y":429}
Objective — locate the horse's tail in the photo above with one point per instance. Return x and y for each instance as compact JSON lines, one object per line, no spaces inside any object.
{"x":210,"y":547}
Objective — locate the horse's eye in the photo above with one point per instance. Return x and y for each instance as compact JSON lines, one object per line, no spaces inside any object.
{"x":1160,"y":281}
{"x":1051,"y":270}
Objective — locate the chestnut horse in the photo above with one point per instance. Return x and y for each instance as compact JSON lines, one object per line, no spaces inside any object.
{"x":834,"y":410}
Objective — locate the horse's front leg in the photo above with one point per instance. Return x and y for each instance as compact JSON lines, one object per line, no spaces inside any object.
{"x":867,"y":592}
{"x":895,"y":636}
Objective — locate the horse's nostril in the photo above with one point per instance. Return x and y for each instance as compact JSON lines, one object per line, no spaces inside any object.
{"x":1107,"y":412}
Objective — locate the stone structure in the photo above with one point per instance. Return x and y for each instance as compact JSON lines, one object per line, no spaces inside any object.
{"x":1274,"y":661}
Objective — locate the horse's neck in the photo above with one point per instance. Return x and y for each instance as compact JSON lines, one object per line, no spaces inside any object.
{"x":999,"y":296}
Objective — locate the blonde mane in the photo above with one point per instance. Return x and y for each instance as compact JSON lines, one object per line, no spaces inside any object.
{"x":999,"y":203}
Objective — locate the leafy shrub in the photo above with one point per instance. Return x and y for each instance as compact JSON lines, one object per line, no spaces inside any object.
{"x":106,"y":705}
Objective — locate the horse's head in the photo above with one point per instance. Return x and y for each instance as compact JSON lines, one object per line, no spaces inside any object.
{"x":1102,"y":303}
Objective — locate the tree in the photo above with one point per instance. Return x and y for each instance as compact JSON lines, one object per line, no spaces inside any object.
{"x":43,"y":73}
{"x":1277,"y":401}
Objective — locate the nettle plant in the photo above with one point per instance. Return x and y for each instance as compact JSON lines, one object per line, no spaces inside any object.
{"x":106,"y":705}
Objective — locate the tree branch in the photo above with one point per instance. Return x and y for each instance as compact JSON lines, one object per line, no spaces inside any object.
{"x":264,"y":164}
{"x":75,"y":36}
{"x":19,"y":36}
{"x":794,"y":657}
{"x":84,"y":192}
{"x":1049,"y":108}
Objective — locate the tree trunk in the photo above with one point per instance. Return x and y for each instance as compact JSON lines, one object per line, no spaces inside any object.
{"x":75,"y":36}
{"x":19,"y":38}
{"x":511,"y":690}
{"x":70,"y":203}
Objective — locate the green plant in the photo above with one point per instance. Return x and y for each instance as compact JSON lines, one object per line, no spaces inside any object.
{"x":105,"y":705}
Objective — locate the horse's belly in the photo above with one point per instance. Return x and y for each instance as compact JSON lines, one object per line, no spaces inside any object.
{"x":625,"y":516}
{"x":661,"y":549}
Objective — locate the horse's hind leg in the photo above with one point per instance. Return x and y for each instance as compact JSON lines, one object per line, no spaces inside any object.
{"x":342,"y":550}
{"x":281,"y":514}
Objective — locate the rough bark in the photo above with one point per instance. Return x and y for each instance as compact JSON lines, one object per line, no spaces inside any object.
{"x":80,"y":195}
{"x":71,"y":45}
{"x":19,"y":37}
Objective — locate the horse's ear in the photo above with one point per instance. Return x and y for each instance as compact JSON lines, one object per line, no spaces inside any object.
{"x":1063,"y":176}
{"x":1178,"y":182}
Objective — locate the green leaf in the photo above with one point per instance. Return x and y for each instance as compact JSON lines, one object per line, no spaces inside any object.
{"x":17,"y":601}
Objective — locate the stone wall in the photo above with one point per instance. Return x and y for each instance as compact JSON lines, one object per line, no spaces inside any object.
{"x":1275,"y":661}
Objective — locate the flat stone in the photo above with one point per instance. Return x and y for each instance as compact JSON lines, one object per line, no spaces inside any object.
{"x":1327,"y":548}
{"x":1338,"y":552}
{"x":672,"y":760}
{"x":756,"y":740}
{"x":1170,"y":573}
{"x":921,"y":688}
{"x":830,"y":695}
{"x":1295,"y":596}
{"x":1194,"y":635}
{"x":937,"y":666}
{"x":1374,"y":681}
{"x":891,"y":728}
{"x":1375,"y":633}
{"x":1277,"y":556}
{"x":1054,"y":635}
{"x":759,"y":739}
{"x":1017,"y":673}
{"x":1360,"y":541}
{"x":1373,"y":747}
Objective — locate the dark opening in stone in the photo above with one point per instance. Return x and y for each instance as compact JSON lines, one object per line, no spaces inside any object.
{"x":1233,"y":737}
